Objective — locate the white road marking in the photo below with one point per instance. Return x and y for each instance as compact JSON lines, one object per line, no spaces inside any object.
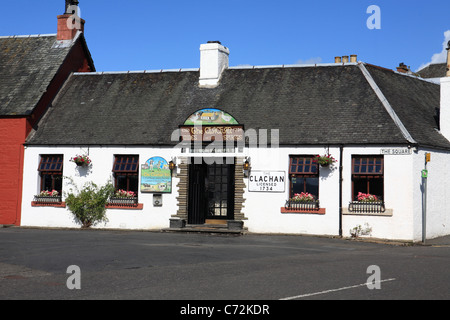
{"x":335,"y":290}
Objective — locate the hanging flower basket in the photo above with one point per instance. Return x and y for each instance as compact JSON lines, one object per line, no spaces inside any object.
{"x":325,"y":160}
{"x":81,"y":161}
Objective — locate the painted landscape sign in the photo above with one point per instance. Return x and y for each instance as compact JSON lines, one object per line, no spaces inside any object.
{"x":156,"y":176}
{"x":210,"y":117}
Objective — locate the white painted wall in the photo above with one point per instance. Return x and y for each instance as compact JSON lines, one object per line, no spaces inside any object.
{"x":438,"y":194}
{"x":398,"y":196}
{"x":101,"y":171}
{"x":263,"y":209}
{"x":402,"y":185}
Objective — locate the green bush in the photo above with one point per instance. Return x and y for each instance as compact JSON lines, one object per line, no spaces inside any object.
{"x":88,"y":205}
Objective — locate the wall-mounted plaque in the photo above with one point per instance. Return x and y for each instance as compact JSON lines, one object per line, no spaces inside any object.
{"x":267,"y":181}
{"x":156,"y":177}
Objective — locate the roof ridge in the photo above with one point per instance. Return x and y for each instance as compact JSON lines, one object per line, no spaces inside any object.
{"x":282,"y":66}
{"x":135,"y":71}
{"x":386,"y":104}
{"x":29,"y":36}
{"x":312,"y":65}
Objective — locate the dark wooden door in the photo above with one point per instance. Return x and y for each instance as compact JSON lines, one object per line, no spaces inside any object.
{"x":197,"y":195}
{"x":211,"y":191}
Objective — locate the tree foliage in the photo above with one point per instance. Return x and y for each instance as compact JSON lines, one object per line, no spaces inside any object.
{"x":88,"y":205}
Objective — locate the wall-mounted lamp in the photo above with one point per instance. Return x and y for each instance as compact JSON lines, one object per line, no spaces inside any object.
{"x":171,"y":165}
{"x":246,"y":165}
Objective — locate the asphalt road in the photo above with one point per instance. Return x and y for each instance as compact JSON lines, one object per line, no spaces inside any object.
{"x":124,"y":265}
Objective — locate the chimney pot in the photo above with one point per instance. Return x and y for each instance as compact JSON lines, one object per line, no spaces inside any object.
{"x":345,"y":59}
{"x":70,"y":3}
{"x":448,"y":59}
{"x":353,"y":58}
{"x":337,"y":59}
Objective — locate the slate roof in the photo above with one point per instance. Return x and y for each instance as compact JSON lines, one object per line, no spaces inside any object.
{"x":27,"y":66}
{"x":316,"y":105}
{"x":435,"y":70}
{"x":416,"y":103}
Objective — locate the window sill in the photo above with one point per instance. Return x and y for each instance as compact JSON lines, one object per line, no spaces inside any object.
{"x":139,"y":206}
{"x":48,"y":204}
{"x":320,"y":211}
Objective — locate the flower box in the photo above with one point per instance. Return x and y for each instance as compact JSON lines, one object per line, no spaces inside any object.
{"x":312,"y":205}
{"x":303,"y":207}
{"x":47,"y":199}
{"x":366,"y":207}
{"x":123,"y":201}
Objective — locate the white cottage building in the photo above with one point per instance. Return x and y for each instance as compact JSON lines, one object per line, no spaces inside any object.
{"x":234,"y":147}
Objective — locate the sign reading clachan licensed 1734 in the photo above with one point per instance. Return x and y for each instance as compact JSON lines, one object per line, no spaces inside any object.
{"x":266,"y":181}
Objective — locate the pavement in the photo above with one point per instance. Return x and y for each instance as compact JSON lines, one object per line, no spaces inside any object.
{"x":436,"y":242}
{"x":441,"y":241}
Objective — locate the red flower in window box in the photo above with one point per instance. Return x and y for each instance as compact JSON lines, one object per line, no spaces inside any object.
{"x":81,"y":160}
{"x":303,"y":197}
{"x":366,"y":197}
{"x":47,"y":193}
{"x":125,"y":194}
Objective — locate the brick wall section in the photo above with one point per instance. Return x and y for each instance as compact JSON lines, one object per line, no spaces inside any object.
{"x":66,"y":33}
{"x":183,"y":186}
{"x":239,"y":189}
{"x":12,"y":135}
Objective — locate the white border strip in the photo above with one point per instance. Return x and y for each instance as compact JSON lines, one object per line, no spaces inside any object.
{"x":386,"y":104}
{"x":335,"y":290}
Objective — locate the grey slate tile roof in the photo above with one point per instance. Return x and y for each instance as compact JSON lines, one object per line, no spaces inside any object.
{"x":27,"y":66}
{"x":435,"y":70}
{"x":417,"y":104}
{"x":309,"y":105}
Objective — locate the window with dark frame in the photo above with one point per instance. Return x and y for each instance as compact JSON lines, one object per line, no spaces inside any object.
{"x":303,"y":175}
{"x":51,"y":172}
{"x":125,"y":170}
{"x":367,"y":176}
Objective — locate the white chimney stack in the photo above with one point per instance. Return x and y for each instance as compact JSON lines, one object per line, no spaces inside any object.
{"x":444,"y":114}
{"x":213,"y":60}
{"x":448,"y":59}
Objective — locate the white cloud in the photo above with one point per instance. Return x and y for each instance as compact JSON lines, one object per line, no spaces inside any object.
{"x":440,"y":57}
{"x":314,"y":60}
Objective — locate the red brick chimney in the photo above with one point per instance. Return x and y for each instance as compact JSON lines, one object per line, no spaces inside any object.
{"x":70,"y":22}
{"x":403,"y":68}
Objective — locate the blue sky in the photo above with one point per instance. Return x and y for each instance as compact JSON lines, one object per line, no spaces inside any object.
{"x":151,"y":35}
